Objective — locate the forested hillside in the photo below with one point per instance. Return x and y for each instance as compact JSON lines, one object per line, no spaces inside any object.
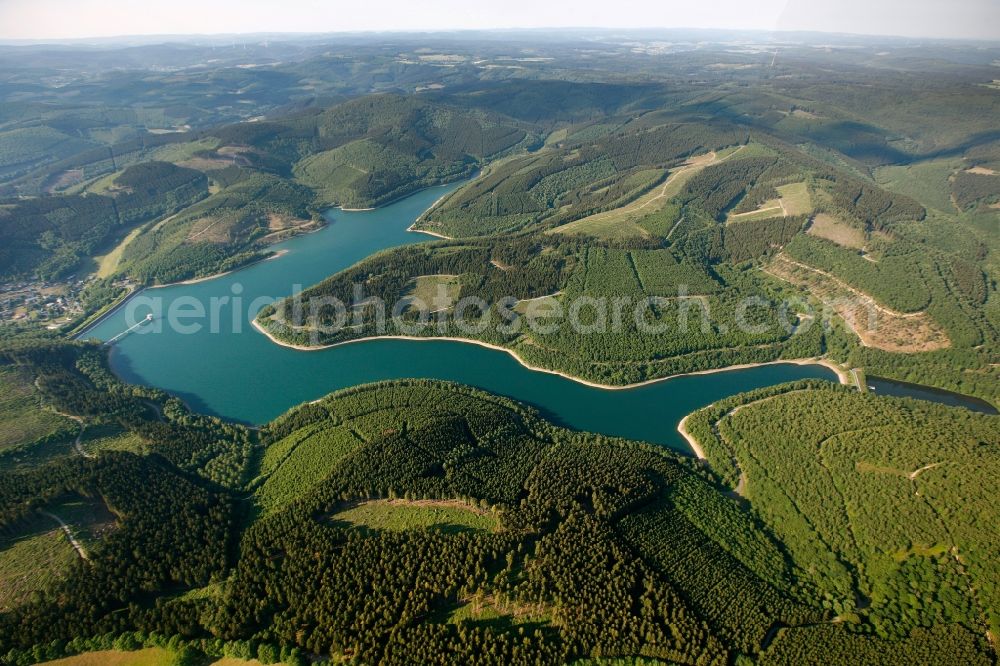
{"x":508,"y":275}
{"x":634,"y":205}
{"x":228,"y":228}
{"x":268,"y":180}
{"x":580,"y":174}
{"x":882,"y":498}
{"x":50,"y":236}
{"x":389,"y":455}
{"x":377,"y":149}
{"x":492,"y":535}
{"x":691,"y":230}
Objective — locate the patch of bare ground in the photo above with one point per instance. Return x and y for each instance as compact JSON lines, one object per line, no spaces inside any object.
{"x":279,"y":222}
{"x":232,"y":155}
{"x":231,"y":151}
{"x":912,"y":476}
{"x":63,"y":180}
{"x":283,"y":226}
{"x":827,"y":226}
{"x":877,"y":326}
{"x":496,"y":263}
{"x":982,"y":171}
{"x":206,"y":163}
{"x":210,"y":230}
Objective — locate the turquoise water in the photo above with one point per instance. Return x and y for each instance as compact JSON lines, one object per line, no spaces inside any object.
{"x":238,"y":374}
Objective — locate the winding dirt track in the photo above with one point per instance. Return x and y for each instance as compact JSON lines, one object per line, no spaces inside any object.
{"x":76,"y":443}
{"x":77,"y":546}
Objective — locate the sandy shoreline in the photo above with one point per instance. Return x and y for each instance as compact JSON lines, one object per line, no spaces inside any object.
{"x":389,"y":202}
{"x":413,"y":228}
{"x":842,"y":375}
{"x":692,"y":442}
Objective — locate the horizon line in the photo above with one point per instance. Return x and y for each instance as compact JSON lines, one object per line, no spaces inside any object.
{"x":173,"y":37}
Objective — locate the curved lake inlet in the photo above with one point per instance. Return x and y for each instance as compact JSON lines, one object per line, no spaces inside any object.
{"x":238,"y":374}
{"x":881,"y":386}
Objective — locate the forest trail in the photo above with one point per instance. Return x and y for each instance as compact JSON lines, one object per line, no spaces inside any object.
{"x":914,"y":474}
{"x":156,"y":408}
{"x":77,"y":546}
{"x":760,"y":210}
{"x":740,"y":489}
{"x":696,"y":163}
{"x":76,"y":442}
{"x":674,"y":228}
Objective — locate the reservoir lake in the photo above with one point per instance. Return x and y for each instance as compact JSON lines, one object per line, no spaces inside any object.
{"x":238,"y":374}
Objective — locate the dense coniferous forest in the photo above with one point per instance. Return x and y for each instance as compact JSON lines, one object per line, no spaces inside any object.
{"x":581,"y":545}
{"x":914,"y":467}
{"x":418,"y":521}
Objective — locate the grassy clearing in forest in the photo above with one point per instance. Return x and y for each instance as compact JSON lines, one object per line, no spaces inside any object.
{"x":488,"y":611}
{"x":448,"y":516}
{"x":88,"y":518}
{"x":180,"y":152}
{"x":436,"y":292}
{"x":843,"y":234}
{"x":926,"y":182}
{"x":794,"y":200}
{"x":145,"y":657}
{"x":539,"y":306}
{"x":104,"y":184}
{"x":107,"y":264}
{"x":111,"y":438}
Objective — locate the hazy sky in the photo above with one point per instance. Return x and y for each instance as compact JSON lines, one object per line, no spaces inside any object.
{"x":49,"y":19}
